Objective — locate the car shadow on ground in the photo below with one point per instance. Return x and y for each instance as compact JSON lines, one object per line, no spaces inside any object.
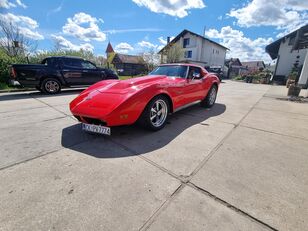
{"x":37,"y":94}
{"x":134,"y":140}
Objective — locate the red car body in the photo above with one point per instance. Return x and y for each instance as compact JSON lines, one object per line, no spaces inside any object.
{"x":121,"y":102}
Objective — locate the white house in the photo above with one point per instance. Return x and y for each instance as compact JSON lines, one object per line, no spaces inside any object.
{"x":197,"y":49}
{"x":289,"y":50}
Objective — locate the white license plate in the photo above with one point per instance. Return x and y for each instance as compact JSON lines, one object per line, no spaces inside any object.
{"x":96,"y":129}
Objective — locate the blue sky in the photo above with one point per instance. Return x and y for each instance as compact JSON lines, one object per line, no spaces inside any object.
{"x":135,"y":26}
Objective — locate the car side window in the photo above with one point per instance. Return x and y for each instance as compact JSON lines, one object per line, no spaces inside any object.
{"x":194,"y":73}
{"x":75,"y":63}
{"x":87,"y":65}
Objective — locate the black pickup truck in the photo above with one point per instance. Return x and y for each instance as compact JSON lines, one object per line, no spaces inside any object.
{"x":56,"y":72}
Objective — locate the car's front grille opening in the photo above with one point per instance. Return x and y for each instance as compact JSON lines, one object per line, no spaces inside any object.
{"x":78,"y":118}
{"x":89,"y":120}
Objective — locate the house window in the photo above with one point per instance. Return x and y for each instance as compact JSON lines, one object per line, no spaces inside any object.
{"x":188,"y":54}
{"x":186,"y":42}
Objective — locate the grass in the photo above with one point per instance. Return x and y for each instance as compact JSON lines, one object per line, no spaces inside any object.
{"x":125,"y":77}
{"x":4,"y":86}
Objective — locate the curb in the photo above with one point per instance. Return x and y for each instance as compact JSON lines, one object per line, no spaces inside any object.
{"x":17,"y":90}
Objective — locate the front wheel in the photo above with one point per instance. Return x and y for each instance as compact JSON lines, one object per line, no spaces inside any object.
{"x":210,"y":99}
{"x":154,"y":116}
{"x":51,"y":86}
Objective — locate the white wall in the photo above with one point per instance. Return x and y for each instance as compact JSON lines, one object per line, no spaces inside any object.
{"x":303,"y":80}
{"x":288,"y":58}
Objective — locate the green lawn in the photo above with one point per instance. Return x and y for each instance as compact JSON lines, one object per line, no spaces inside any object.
{"x":4,"y":86}
{"x":125,"y":77}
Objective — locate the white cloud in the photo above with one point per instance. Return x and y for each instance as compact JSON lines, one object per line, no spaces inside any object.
{"x":177,"y":8}
{"x":19,"y":3}
{"x":26,"y":25}
{"x":85,"y":27}
{"x":7,"y":4}
{"x":162,"y":40}
{"x":55,"y":10}
{"x":123,"y":48}
{"x":286,"y":15}
{"x":240,"y":46}
{"x":68,"y":45}
{"x":146,"y":44}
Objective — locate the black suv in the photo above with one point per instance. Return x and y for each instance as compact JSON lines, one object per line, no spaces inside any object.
{"x":56,"y":72}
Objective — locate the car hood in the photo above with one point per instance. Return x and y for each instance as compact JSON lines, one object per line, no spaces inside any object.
{"x":130,"y":85}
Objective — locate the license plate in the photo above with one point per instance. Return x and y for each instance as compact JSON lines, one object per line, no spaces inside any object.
{"x":96,"y":129}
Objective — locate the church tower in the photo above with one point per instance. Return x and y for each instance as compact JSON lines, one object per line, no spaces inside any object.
{"x":110,"y":55}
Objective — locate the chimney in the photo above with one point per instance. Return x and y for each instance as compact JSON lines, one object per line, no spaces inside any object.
{"x":168,"y":39}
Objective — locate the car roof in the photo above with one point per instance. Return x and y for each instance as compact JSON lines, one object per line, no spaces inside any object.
{"x":181,"y":64}
{"x":70,"y":57}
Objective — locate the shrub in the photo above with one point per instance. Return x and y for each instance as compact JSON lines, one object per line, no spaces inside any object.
{"x":5,"y":63}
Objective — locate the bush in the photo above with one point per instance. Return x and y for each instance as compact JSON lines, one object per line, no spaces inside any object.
{"x":5,"y":63}
{"x":238,"y":78}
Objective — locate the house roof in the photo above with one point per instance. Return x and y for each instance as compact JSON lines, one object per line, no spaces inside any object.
{"x":133,"y":59}
{"x":187,"y":31}
{"x":109,"y":48}
{"x":301,"y":37}
{"x":233,"y":61}
{"x":253,"y":64}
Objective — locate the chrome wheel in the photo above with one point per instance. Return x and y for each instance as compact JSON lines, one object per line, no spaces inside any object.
{"x":52,"y":86}
{"x":212,"y":96}
{"x":158,"y":113}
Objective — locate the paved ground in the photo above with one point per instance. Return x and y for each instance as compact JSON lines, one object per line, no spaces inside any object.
{"x":243,"y":165}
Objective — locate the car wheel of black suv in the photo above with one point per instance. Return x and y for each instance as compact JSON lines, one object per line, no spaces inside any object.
{"x":155,"y":115}
{"x":51,"y":86}
{"x":210,"y":99}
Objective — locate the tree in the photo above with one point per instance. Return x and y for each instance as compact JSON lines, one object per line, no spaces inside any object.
{"x":13,"y":42}
{"x":174,"y":53}
{"x":151,"y":59}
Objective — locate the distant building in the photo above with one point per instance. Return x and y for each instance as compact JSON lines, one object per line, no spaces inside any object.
{"x":291,"y":50}
{"x":127,"y":65}
{"x":253,"y":66}
{"x":196,"y":49}
{"x":233,"y":68}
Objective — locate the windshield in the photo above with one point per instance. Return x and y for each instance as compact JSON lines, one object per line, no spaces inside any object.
{"x":170,"y":71}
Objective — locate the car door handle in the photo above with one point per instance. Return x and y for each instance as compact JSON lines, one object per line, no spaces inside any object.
{"x":85,"y":71}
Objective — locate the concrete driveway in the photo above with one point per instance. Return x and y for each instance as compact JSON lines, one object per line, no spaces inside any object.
{"x":242,"y":165}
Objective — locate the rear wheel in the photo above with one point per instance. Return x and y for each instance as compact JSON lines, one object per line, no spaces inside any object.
{"x":51,"y":86}
{"x":210,"y":99}
{"x":154,"y":116}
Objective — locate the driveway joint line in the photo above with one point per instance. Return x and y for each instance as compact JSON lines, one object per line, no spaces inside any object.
{"x":213,"y":151}
{"x":230,"y":206}
{"x":292,"y":113}
{"x":44,"y":154}
{"x":52,"y":107}
{"x":161,"y":208}
{"x":275,"y":133}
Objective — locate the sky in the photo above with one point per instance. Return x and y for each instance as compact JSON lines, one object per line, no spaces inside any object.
{"x":137,"y":26}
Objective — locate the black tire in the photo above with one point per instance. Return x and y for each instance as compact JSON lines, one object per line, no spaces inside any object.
{"x":150,"y":118}
{"x":210,"y":99}
{"x":51,"y":86}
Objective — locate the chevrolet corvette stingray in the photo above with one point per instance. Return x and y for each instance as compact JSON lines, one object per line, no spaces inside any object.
{"x":148,"y":99}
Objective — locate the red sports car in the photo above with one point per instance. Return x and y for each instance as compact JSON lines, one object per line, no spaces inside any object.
{"x":148,"y":100}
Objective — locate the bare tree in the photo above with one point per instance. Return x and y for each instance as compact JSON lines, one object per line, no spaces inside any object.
{"x":13,"y":42}
{"x":174,"y":53}
{"x":151,"y":59}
